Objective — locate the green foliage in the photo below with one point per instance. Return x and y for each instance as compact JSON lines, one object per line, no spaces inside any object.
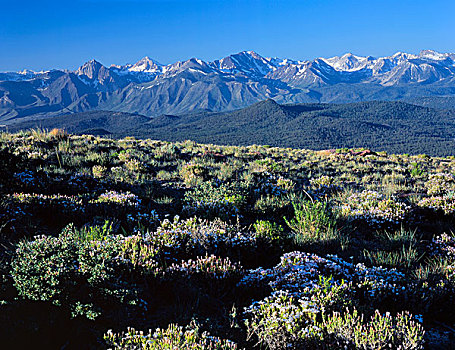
{"x":313,"y":221}
{"x":96,"y":233}
{"x":399,"y":238}
{"x":173,"y":337}
{"x":211,"y":200}
{"x":404,"y":257}
{"x":79,"y":274}
{"x":349,"y":329}
{"x":401,"y":251}
{"x":416,"y":170}
{"x":269,"y":231}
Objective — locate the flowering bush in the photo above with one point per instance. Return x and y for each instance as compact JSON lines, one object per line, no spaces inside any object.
{"x":212,"y":266}
{"x":123,"y":198}
{"x":349,"y":329}
{"x":212,"y":275}
{"x":214,"y":200}
{"x":299,"y":273}
{"x":271,"y":185}
{"x":202,"y":236}
{"x":303,"y":310}
{"x":56,"y":203}
{"x":441,"y":260}
{"x":324,"y":184}
{"x":444,"y":245}
{"x":282,"y":321}
{"x":446,"y":203}
{"x":173,"y":337}
{"x":440,"y":183}
{"x":141,"y":254}
{"x":374,"y":207}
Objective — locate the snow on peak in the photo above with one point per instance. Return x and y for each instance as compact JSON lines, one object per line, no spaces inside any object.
{"x":433,"y":55}
{"x":349,"y":62}
{"x":146,"y":65}
{"x":246,"y":62}
{"x":402,"y":56}
{"x":278,"y":62}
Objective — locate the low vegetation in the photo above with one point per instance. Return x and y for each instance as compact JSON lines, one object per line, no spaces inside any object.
{"x":143,"y":244}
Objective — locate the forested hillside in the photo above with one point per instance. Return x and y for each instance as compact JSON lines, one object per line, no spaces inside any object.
{"x":394,"y":127}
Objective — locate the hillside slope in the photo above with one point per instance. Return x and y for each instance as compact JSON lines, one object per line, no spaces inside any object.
{"x":390,"y":126}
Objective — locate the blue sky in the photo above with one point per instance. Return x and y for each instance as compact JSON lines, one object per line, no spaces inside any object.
{"x":63,"y":34}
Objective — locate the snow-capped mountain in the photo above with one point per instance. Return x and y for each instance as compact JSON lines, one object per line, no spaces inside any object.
{"x":349,"y":62}
{"x":245,"y":62}
{"x":150,"y":88}
{"x":146,"y":65}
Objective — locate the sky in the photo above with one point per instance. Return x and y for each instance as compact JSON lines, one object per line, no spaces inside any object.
{"x":45,"y":34}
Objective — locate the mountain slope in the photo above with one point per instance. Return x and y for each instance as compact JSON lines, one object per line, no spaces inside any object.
{"x":391,"y":126}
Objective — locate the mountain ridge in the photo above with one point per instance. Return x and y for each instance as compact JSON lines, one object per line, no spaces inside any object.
{"x":235,"y":81}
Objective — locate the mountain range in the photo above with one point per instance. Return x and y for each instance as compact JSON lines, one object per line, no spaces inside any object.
{"x":152,"y":89}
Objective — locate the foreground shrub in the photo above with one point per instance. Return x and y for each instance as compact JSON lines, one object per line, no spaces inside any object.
{"x":173,"y":337}
{"x":211,"y":200}
{"x":440,"y":183}
{"x":211,"y":274}
{"x":270,"y":231}
{"x":299,"y":273}
{"x":349,"y":330}
{"x":313,"y":221}
{"x":70,"y":270}
{"x":282,"y":320}
{"x":374,"y":207}
{"x":446,"y":203}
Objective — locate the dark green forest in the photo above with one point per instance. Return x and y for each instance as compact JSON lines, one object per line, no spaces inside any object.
{"x":394,"y":127}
